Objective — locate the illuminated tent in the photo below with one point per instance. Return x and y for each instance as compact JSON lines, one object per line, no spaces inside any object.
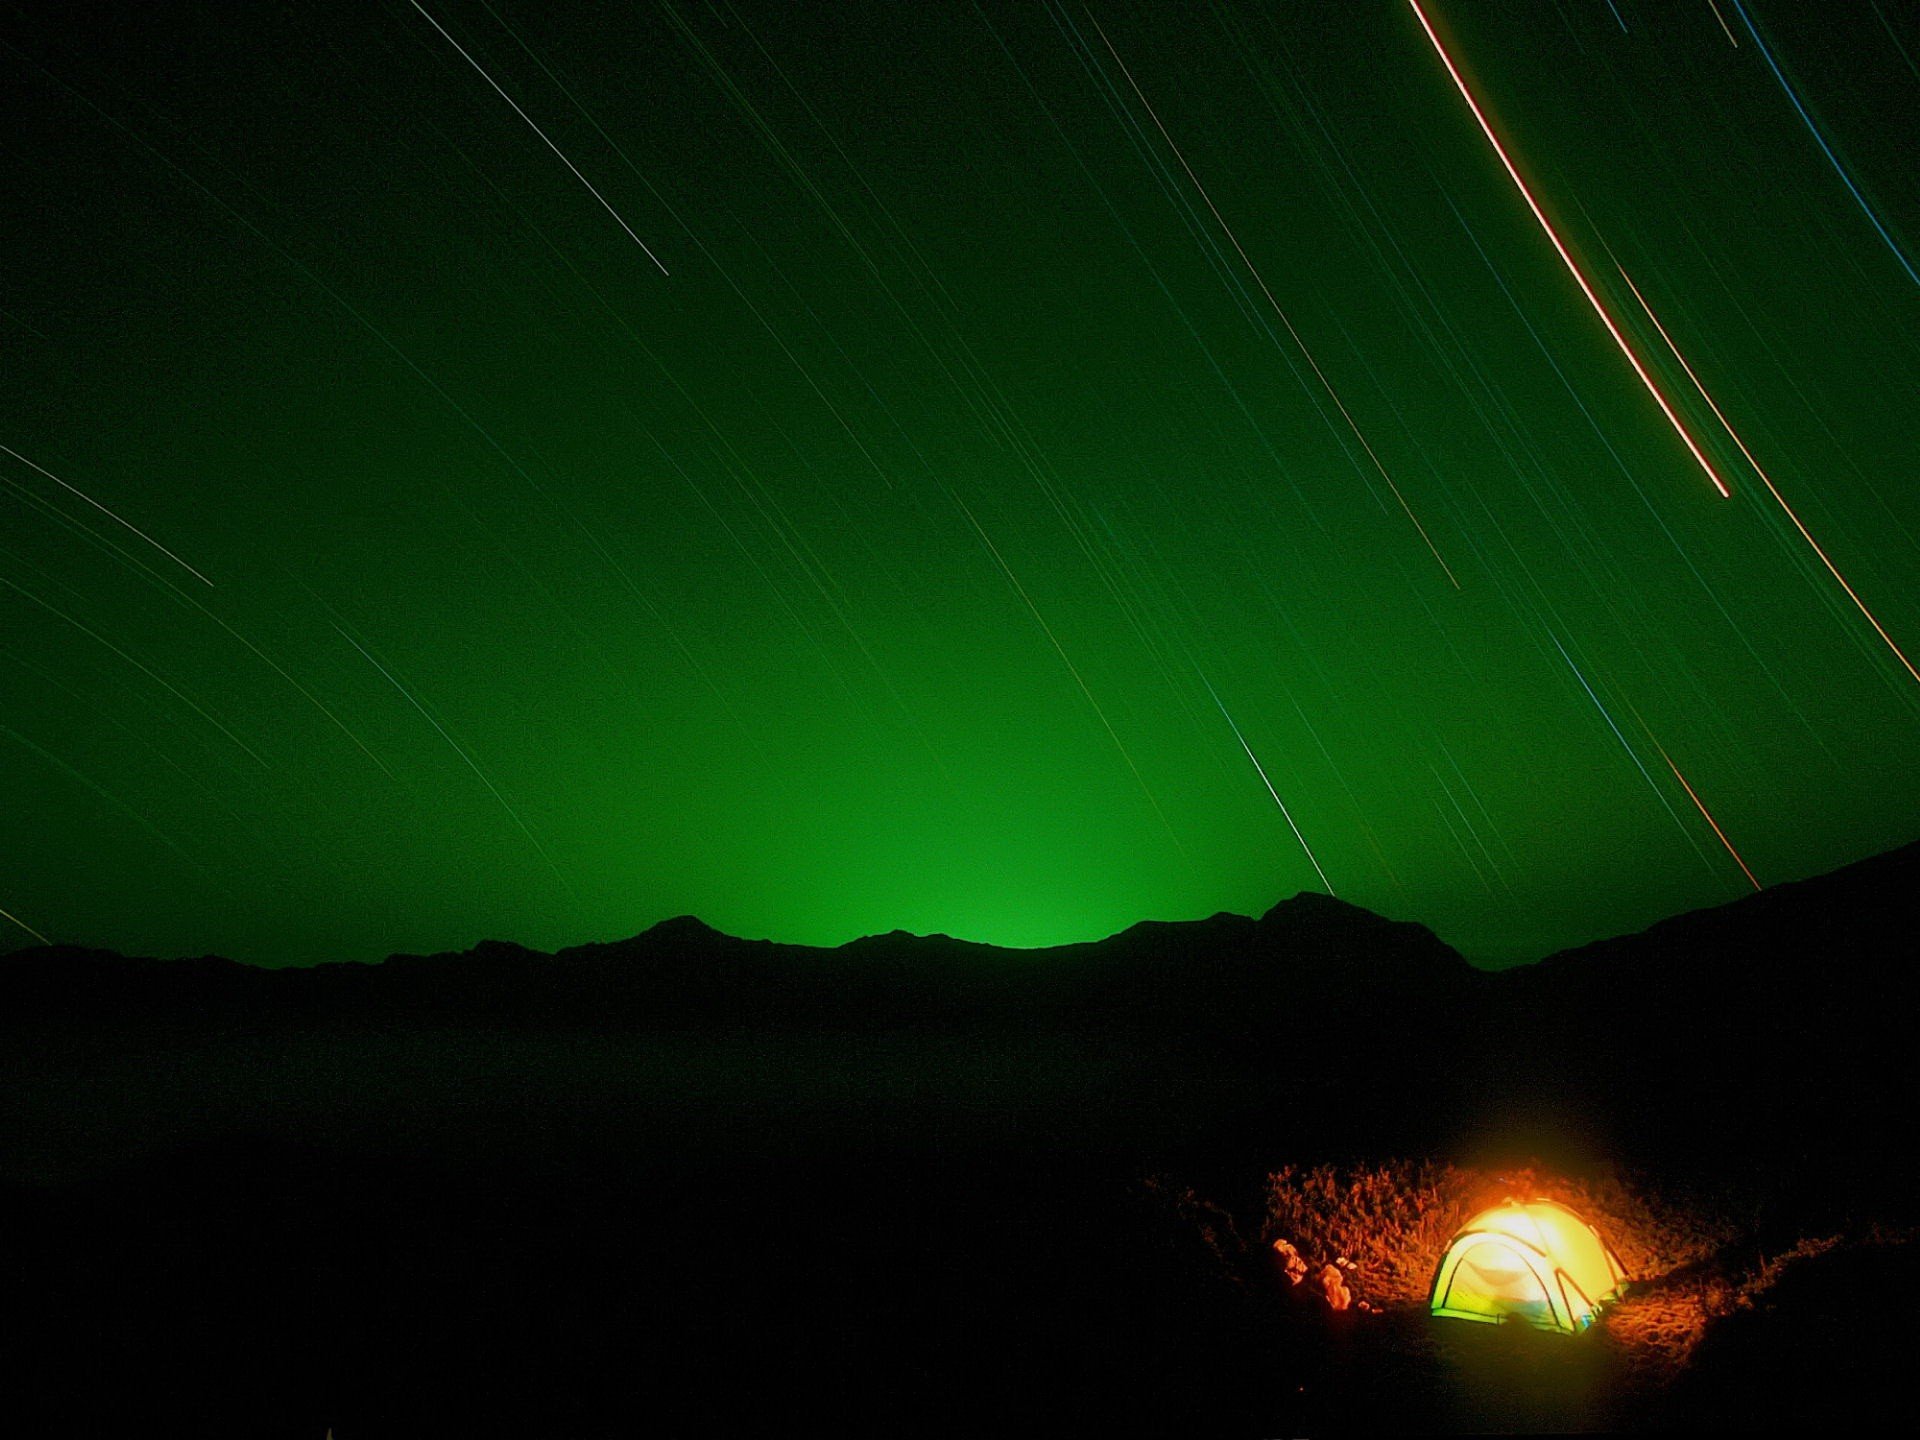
{"x":1538,"y":1262}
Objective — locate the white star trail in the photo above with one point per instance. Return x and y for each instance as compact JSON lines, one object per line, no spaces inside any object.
{"x":114,"y":516}
{"x":546,"y":139}
{"x":15,"y":919}
{"x":1261,"y":770}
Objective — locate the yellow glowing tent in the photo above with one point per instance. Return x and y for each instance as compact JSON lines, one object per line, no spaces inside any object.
{"x":1537,"y":1262}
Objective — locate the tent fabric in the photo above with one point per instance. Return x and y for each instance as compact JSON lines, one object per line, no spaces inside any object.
{"x":1536,"y":1262}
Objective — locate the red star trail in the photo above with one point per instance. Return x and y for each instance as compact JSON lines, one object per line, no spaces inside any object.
{"x":1566,"y":258}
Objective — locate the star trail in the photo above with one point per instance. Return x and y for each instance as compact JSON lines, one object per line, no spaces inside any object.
{"x":482,"y":469}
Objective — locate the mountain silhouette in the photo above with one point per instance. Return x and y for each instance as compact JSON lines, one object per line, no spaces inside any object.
{"x":704,"y":1184}
{"x":1773,"y":1016}
{"x":1220,"y":976}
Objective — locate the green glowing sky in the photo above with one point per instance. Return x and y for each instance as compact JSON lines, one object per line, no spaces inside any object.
{"x":879,"y":565}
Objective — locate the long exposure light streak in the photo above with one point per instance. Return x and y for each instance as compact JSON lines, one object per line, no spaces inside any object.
{"x":1566,"y":258}
{"x":152,"y":674}
{"x":460,"y":750}
{"x":1261,"y":770}
{"x":1725,"y":28}
{"x":1767,"y":480}
{"x":1632,"y":754}
{"x":533,"y":125}
{"x":1073,"y":670}
{"x":1706,"y":814}
{"x":1860,"y":200}
{"x":1260,"y":280}
{"x":15,"y":919}
{"x":117,"y":519}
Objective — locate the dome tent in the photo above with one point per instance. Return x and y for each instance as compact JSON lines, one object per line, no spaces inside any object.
{"x":1536,"y":1262}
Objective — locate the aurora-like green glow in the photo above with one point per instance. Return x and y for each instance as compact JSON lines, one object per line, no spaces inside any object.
{"x":996,"y":469}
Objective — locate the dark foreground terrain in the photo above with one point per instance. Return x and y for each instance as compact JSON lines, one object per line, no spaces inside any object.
{"x":690,"y":1184}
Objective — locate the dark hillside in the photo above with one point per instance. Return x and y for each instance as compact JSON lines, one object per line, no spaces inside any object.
{"x":896,"y":1184}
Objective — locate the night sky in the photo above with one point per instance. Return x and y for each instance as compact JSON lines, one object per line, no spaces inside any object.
{"x":528,"y":470}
